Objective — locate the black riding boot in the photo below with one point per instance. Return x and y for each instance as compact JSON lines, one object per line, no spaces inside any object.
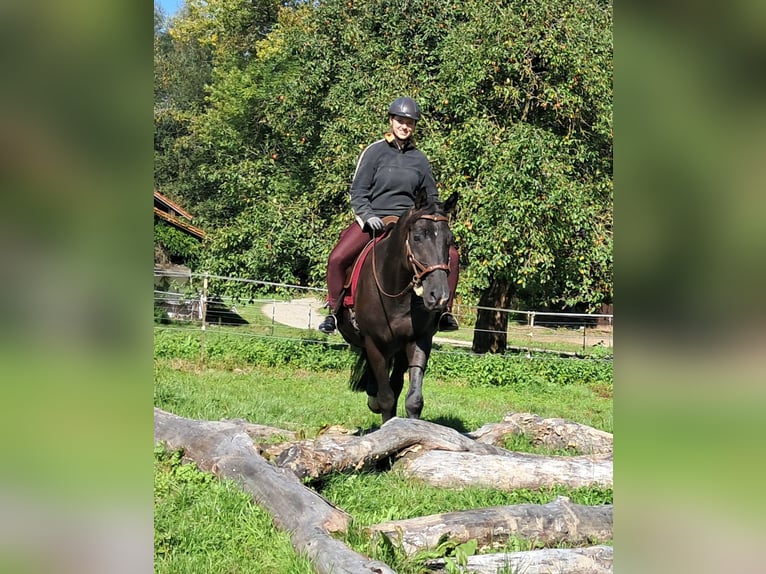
{"x":447,"y":322}
{"x":328,"y":325}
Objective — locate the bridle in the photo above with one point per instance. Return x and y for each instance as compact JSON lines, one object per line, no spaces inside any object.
{"x":419,"y":270}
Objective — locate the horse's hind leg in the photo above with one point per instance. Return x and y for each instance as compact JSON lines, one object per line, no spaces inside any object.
{"x":386,"y":400}
{"x":372,"y":391}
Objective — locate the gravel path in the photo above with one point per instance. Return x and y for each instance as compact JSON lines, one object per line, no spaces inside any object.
{"x":307,"y":313}
{"x":299,"y":313}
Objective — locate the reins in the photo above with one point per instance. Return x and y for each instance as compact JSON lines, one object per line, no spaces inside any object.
{"x":418,"y":268}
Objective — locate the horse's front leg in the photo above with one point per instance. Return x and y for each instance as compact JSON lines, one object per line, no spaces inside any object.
{"x":396,"y":379}
{"x":386,"y":398}
{"x":417,"y":356}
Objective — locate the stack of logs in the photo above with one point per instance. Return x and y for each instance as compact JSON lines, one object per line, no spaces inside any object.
{"x":275,"y":477}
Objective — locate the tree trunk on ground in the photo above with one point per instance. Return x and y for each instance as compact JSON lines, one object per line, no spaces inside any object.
{"x":327,"y":454}
{"x":448,"y":458}
{"x":516,"y":470}
{"x":552,"y":433}
{"x":225,"y":449}
{"x":557,"y":522}
{"x":591,"y":560}
{"x":491,"y":332}
{"x":262,"y":432}
{"x":436,"y":454}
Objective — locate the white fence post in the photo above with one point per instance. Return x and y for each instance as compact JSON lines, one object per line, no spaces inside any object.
{"x":203,"y":313}
{"x":203,"y":302}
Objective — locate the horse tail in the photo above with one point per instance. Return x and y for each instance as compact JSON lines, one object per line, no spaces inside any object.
{"x":359,"y":372}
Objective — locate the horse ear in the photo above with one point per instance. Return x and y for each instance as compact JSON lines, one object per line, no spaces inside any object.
{"x":449,"y":205}
{"x":421,"y":199}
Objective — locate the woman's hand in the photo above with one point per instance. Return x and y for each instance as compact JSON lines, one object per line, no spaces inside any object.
{"x":374,"y":223}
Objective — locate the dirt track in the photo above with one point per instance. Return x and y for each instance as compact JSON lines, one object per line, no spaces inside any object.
{"x":307,"y":313}
{"x":299,"y":313}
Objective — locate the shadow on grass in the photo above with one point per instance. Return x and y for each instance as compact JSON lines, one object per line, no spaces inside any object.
{"x":449,"y":421}
{"x":446,"y":421}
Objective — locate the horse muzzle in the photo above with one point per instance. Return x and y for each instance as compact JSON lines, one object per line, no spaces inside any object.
{"x":434,"y":290}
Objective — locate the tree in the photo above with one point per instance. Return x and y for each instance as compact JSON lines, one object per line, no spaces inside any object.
{"x":182,"y":73}
{"x":518,"y":119}
{"x":527,"y":104}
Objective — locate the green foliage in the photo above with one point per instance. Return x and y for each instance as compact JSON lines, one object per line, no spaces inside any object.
{"x":182,"y":72}
{"x":519,"y":371}
{"x":223,"y":348}
{"x":461,"y":552}
{"x":182,"y":247}
{"x":269,"y":241}
{"x":518,"y":119}
{"x":455,"y":555}
{"x":534,"y":374}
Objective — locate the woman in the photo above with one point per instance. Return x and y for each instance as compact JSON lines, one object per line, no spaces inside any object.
{"x":389,"y":173}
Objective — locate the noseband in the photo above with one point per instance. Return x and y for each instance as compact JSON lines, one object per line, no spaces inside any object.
{"x":419,"y":270}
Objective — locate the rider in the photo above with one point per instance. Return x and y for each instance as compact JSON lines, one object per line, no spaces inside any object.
{"x":388,"y":175}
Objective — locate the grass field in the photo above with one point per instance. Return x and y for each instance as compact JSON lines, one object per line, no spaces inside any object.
{"x":205,"y":525}
{"x":584,"y":339}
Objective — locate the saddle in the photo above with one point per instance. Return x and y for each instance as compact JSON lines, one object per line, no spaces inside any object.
{"x":352,"y":273}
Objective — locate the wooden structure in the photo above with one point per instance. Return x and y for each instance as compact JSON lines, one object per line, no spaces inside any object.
{"x":175,"y":215}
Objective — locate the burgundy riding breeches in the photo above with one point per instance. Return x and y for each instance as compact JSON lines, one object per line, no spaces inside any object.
{"x":350,"y":244}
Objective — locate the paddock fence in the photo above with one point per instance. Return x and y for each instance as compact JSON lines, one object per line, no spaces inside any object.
{"x":203,"y":302}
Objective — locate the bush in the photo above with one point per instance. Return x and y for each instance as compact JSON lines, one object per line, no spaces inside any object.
{"x":181,"y":247}
{"x":238,"y":349}
{"x":476,"y":370}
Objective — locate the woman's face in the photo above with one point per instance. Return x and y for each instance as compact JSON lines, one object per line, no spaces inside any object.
{"x":402,"y":127}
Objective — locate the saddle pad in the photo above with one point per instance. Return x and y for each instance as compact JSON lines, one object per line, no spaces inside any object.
{"x":348,"y":299}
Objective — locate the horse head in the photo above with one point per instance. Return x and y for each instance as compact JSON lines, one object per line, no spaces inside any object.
{"x":427,"y":243}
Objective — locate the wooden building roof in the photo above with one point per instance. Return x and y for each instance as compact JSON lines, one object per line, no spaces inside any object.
{"x":175,"y":215}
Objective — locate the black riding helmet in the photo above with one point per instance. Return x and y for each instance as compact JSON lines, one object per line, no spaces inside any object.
{"x":405,"y":107}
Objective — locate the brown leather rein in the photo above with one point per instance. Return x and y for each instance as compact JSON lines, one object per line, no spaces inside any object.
{"x":419,"y":270}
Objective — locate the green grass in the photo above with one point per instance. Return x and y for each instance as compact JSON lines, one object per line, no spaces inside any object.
{"x":397,"y":497}
{"x":519,"y":335}
{"x":284,"y":397}
{"x":300,"y":400}
{"x":563,"y":339}
{"x":206,"y":525}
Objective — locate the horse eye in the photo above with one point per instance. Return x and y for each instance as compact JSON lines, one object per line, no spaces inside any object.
{"x":417,"y":237}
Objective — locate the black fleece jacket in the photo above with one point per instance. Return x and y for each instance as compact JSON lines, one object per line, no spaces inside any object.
{"x":387,"y":179}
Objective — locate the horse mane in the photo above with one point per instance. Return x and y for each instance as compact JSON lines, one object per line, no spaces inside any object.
{"x":429,"y":207}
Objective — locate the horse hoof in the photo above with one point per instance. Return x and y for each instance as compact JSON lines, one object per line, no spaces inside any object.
{"x":372,"y":403}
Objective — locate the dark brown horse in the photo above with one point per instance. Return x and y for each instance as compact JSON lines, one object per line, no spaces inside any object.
{"x":400,"y":295}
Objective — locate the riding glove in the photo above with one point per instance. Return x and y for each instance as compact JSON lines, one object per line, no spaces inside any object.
{"x":375,"y":223}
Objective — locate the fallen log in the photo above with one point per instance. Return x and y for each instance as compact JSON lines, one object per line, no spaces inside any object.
{"x":591,"y":560}
{"x":262,"y":432}
{"x":225,"y":450}
{"x":338,"y":453}
{"x":557,"y":522}
{"x":508,"y":472}
{"x":551,"y":432}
